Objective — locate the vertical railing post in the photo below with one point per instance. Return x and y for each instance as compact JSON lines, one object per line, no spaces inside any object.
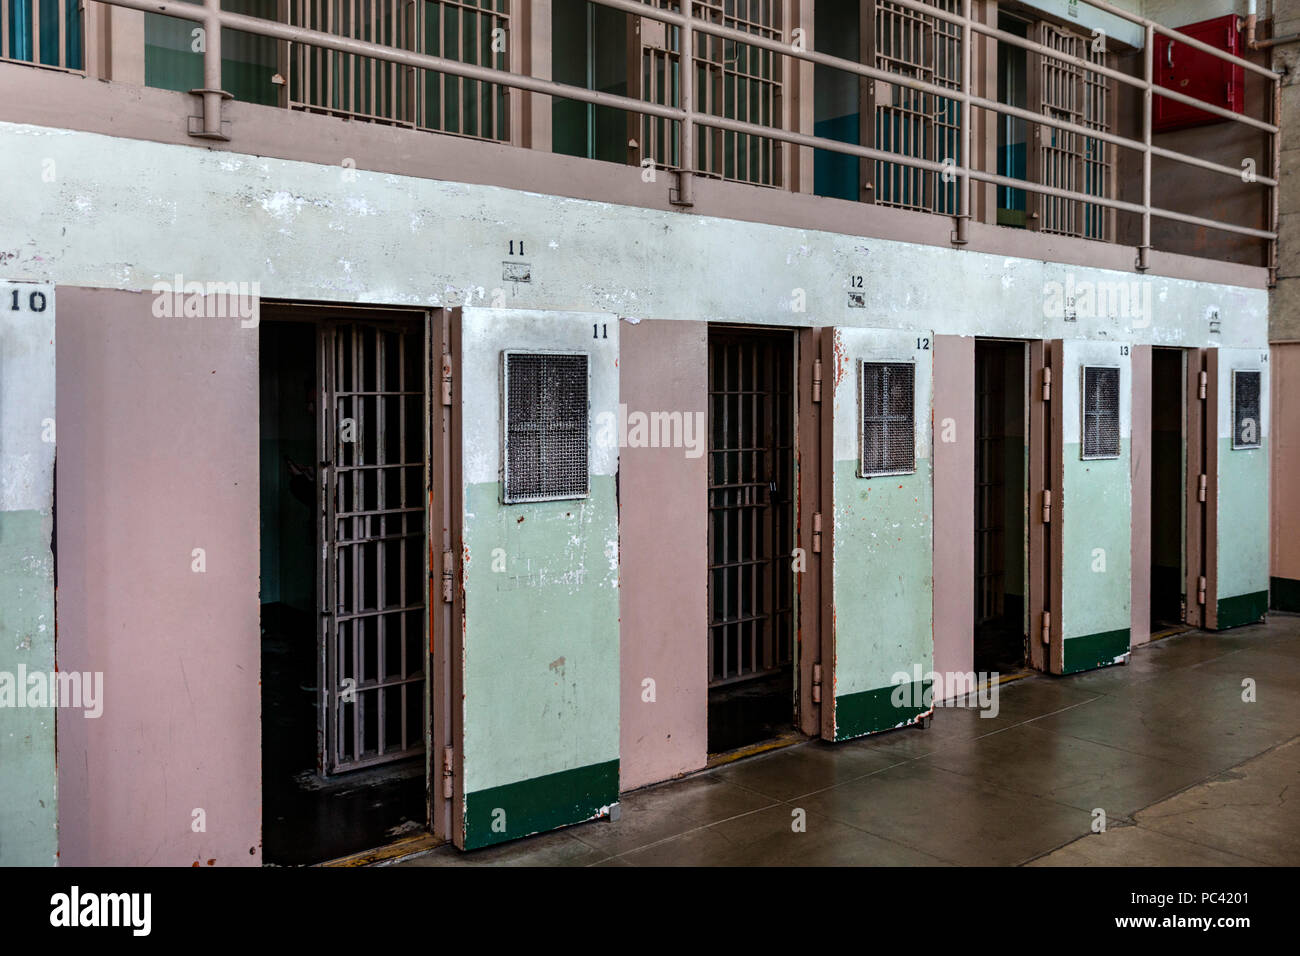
{"x":208,"y":125}
{"x":965,"y":133}
{"x":1148,"y":60}
{"x":685,"y":193}
{"x":1275,"y":218}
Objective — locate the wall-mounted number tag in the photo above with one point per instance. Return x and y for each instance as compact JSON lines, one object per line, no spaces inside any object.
{"x":33,"y":301}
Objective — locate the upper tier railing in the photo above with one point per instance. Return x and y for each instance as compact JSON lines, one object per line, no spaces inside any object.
{"x":693,"y":130}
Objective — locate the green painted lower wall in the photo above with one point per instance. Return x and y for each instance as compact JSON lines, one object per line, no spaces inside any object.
{"x":884,"y":708}
{"x":1243,"y":549}
{"x":1285,"y":594}
{"x":1095,"y":506}
{"x":28,"y":811}
{"x":1087,"y":651}
{"x":543,"y":803}
{"x":884,"y":581}
{"x":540,"y":658}
{"x":1242,"y":609}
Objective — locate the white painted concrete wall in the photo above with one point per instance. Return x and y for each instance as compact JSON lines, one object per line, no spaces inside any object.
{"x":125,"y":214}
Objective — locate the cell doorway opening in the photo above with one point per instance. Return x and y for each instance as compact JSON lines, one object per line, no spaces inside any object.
{"x":1001,"y":505}
{"x":1168,"y":501}
{"x":751,"y":537}
{"x":343,"y":492}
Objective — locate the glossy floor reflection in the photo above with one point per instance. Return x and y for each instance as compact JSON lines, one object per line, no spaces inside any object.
{"x":1184,"y":769}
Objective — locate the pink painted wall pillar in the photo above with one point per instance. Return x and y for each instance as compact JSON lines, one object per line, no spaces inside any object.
{"x":663,"y":531}
{"x":158,"y":457}
{"x":954,"y":504}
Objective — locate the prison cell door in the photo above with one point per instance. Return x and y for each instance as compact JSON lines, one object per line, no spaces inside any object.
{"x":533,"y":571}
{"x":877,"y":511}
{"x":371,"y":575}
{"x":1236,"y":519}
{"x":751,"y":634}
{"x":1086,"y":506}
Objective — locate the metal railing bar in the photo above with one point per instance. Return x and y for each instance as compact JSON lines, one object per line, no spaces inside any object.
{"x":1175,"y":35}
{"x":1123,"y":141}
{"x":1170,"y":32}
{"x":215,"y":18}
{"x":1134,"y":81}
{"x":279,"y":31}
{"x":1212,"y":224}
{"x":1148,"y":106}
{"x":866,"y":152}
{"x":505,"y":78}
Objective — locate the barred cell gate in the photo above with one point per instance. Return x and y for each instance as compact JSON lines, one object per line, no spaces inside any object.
{"x":1068,"y":160}
{"x":1003,"y":445}
{"x":990,"y":486}
{"x":734,"y":80}
{"x":916,"y":45}
{"x":751,"y":534}
{"x":372,"y":564}
{"x":361,"y":87}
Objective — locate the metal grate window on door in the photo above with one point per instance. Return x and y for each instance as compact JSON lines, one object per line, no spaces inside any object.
{"x":545,"y":448}
{"x":888,"y":420}
{"x":1100,"y":412}
{"x":1245,"y":409}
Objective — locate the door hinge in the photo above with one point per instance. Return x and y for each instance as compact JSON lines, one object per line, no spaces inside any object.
{"x":1047,"y":384}
{"x":1200,"y":590}
{"x":446,"y":378}
{"x":1201,"y":488}
{"x":1205,"y":382}
{"x":448,"y":771}
{"x":447,"y":576}
{"x":1047,"y":627}
{"x":817,"y":380}
{"x":817,"y":533}
{"x":817,"y":684}
{"x":1047,"y":506}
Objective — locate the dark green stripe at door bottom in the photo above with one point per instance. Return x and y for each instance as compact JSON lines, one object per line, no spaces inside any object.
{"x":884,"y":708}
{"x":515,"y":810}
{"x":1285,"y":593}
{"x":1242,"y":609}
{"x":1089,"y":651}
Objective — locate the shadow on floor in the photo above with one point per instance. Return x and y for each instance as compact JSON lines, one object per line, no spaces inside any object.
{"x":307,"y":818}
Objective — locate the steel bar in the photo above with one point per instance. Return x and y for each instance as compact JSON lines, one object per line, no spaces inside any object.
{"x":1148,"y":60}
{"x":211,"y":15}
{"x":966,"y":127}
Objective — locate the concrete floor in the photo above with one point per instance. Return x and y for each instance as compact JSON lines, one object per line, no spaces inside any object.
{"x":1185,"y":770}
